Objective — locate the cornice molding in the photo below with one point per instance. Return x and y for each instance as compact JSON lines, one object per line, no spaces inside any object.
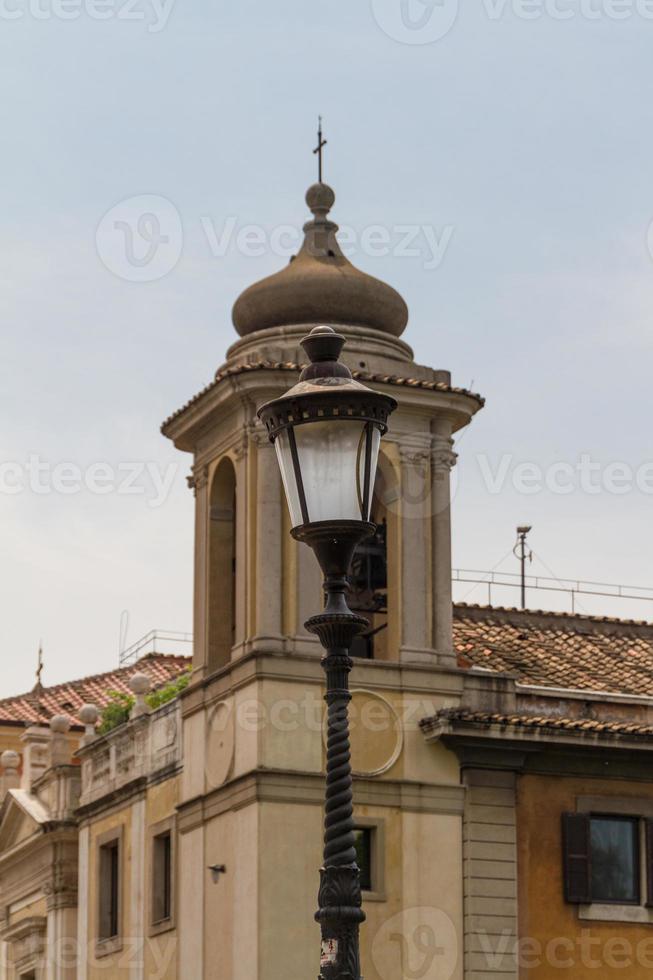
{"x":307,"y":788}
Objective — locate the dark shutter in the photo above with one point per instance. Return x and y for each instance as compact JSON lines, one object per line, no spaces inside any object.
{"x":576,"y":848}
{"x":649,"y":863}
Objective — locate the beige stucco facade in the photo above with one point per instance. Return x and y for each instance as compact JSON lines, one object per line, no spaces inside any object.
{"x":252,"y":788}
{"x":242,"y":783}
{"x":186,"y":843}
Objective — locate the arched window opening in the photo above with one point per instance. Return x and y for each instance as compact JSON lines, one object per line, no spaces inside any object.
{"x":369,"y":591}
{"x":369,"y":594}
{"x":222,"y":566}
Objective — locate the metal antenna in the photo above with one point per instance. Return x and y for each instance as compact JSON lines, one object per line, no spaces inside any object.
{"x":318,"y":149}
{"x":520,"y":553}
{"x":122,"y":634}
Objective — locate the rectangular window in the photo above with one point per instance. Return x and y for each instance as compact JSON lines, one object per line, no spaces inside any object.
{"x":161,"y":877}
{"x":364,"y":846}
{"x":109,"y":885}
{"x":602,"y":856}
{"x":614,"y":860}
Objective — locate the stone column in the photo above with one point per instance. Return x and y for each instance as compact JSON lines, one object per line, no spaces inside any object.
{"x":61,"y":947}
{"x":415,"y":572}
{"x":268,"y":582}
{"x":443,"y":459}
{"x":61,"y":896}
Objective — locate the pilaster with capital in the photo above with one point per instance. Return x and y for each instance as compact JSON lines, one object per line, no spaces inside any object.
{"x":268,"y":569}
{"x":415,"y":570}
{"x":199,"y":481}
{"x":443,"y":459}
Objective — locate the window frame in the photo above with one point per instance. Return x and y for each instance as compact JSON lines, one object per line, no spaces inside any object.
{"x":637,"y":808}
{"x":107,"y":944}
{"x":167,"y":827}
{"x":639,"y":857}
{"x":376,"y":827}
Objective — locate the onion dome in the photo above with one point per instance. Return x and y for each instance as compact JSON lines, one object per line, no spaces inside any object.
{"x":320,"y":285}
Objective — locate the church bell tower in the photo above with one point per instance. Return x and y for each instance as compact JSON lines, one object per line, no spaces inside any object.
{"x":253,"y":758}
{"x":254,"y":586}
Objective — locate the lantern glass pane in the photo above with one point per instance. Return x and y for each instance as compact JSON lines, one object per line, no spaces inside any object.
{"x":375,"y":443}
{"x":284,"y":457}
{"x":331,"y":454}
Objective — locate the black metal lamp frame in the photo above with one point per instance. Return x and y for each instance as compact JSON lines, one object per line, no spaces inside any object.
{"x":326,"y":390}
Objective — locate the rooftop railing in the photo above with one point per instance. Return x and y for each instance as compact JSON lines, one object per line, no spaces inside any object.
{"x":490,"y":584}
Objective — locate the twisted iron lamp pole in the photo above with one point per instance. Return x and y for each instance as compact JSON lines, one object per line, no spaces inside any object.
{"x":339,"y":913}
{"x":327,"y":431}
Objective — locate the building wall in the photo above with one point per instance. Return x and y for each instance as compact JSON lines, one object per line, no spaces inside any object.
{"x":252,"y":798}
{"x":556,"y":942}
{"x":106,"y":965}
{"x":161,"y":947}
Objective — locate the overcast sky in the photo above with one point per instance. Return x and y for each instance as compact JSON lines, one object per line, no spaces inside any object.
{"x":514,"y":142}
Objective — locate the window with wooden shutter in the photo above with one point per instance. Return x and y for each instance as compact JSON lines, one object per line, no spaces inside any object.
{"x":649,"y":863}
{"x":576,"y":849}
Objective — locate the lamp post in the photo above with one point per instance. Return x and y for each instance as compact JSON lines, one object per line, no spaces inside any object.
{"x":326,"y":431}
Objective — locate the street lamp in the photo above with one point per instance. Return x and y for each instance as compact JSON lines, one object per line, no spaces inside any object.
{"x":326,"y":431}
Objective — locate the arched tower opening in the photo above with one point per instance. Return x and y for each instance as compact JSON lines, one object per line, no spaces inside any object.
{"x":374,"y":582}
{"x":222,"y":566}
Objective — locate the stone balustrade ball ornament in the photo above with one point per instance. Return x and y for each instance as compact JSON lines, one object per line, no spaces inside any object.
{"x":10,"y":761}
{"x":88,"y":715}
{"x":59,"y":724}
{"x":140,"y":685}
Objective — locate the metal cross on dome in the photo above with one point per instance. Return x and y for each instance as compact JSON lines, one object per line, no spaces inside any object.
{"x":318,"y":149}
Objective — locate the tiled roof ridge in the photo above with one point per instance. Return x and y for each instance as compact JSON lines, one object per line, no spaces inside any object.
{"x":392,"y":379}
{"x":549,"y":614}
{"x":535,"y":721}
{"x":92,"y":678}
{"x":119,"y":673}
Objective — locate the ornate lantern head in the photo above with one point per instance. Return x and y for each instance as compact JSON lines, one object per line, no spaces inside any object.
{"x":326,"y":431}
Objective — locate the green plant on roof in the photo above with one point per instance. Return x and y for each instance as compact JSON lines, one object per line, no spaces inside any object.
{"x":119,"y":705}
{"x":116,"y":711}
{"x":170,"y":690}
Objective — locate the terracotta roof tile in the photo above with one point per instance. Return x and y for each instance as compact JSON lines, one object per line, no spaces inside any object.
{"x":390,"y":379}
{"x":548,"y":649}
{"x":67,"y":699}
{"x":539,"y":723}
